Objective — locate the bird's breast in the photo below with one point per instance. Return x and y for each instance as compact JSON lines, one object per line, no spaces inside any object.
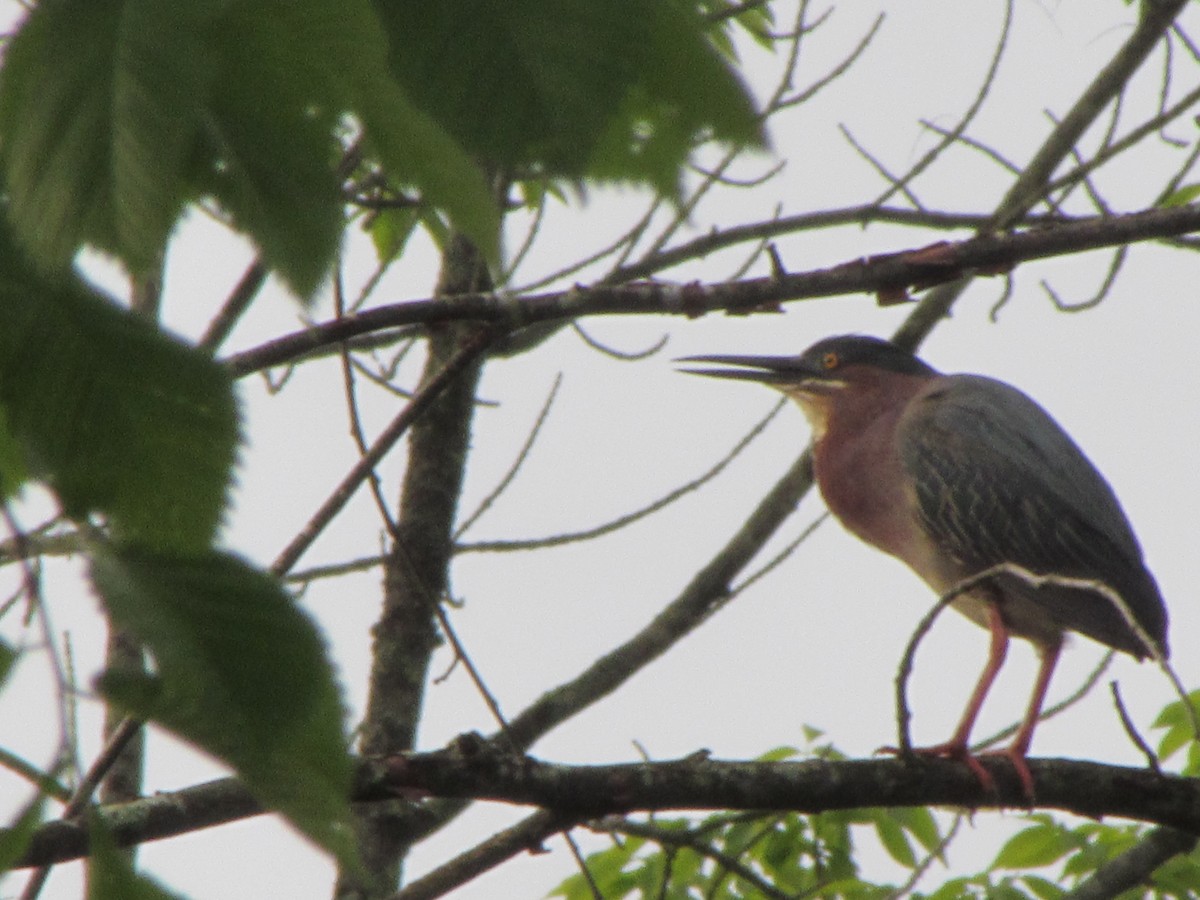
{"x":864,"y":486}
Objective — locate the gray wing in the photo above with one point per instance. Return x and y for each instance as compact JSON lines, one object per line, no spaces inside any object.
{"x":998,"y":480}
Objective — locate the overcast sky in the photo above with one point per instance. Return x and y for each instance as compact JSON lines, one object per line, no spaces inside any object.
{"x":817,"y":641}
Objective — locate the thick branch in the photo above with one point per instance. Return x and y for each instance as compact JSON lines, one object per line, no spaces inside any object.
{"x":475,"y":769}
{"x":888,"y":275}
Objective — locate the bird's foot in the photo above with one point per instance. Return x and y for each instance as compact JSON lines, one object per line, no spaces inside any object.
{"x":959,"y":752}
{"x":1016,"y":756}
{"x":952,"y":750}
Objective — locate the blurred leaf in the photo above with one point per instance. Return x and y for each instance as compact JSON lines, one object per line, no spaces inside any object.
{"x":116,"y":113}
{"x":8,"y":656}
{"x":779,"y":754}
{"x":12,"y":463}
{"x":240,"y":671}
{"x":615,"y":90}
{"x":1181,"y":197}
{"x":1177,"y":721}
{"x":317,"y":59}
{"x":390,"y":230}
{"x":100,"y":103}
{"x":1006,"y":890}
{"x":110,"y":876}
{"x":921,"y":824}
{"x":1043,"y":888}
{"x":269,"y":148}
{"x":14,"y":840}
{"x":894,"y":840}
{"x":1191,"y":768}
{"x":1179,"y":875}
{"x":116,"y":416}
{"x":1034,"y":847}
{"x":954,"y":889}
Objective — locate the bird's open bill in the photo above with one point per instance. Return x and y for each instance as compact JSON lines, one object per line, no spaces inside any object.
{"x":763,"y":369}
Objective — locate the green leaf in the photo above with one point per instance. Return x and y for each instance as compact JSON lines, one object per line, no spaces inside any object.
{"x":921,"y":824}
{"x":114,"y":114}
{"x":779,"y":754}
{"x":8,"y":656}
{"x":269,"y":147}
{"x":14,"y":840}
{"x":240,"y":671}
{"x":317,"y":60}
{"x":1182,"y":197}
{"x":1042,"y":888}
{"x":1177,"y":721}
{"x":13,"y":472}
{"x":617,"y":90}
{"x":110,"y":876}
{"x":894,"y":840}
{"x":116,"y":416}
{"x":100,"y":103}
{"x":390,"y":231}
{"x":1036,"y":846}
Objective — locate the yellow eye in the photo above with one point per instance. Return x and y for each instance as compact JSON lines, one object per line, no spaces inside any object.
{"x":830,"y":361}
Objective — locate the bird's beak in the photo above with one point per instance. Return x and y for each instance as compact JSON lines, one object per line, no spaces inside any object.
{"x":773,"y":370}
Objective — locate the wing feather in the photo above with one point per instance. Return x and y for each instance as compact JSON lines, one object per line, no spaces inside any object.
{"x":997,"y":480}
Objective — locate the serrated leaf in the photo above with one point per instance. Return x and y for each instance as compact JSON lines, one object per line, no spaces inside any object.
{"x":269,"y":145}
{"x":319,"y":60}
{"x":110,"y":876}
{"x":100,"y":102}
{"x":1034,"y":847}
{"x":239,"y":671}
{"x":617,"y":90}
{"x":114,"y":114}
{"x":115,"y":415}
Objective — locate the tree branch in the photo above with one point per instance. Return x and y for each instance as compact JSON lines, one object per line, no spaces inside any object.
{"x":473,"y":768}
{"x":888,"y":274}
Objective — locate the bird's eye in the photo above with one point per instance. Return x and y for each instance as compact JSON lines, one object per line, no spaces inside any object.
{"x":830,"y":361}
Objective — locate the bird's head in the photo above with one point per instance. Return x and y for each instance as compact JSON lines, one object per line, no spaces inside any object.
{"x":837,"y":373}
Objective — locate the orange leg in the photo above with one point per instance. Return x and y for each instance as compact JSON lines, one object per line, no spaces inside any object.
{"x":958,"y":745}
{"x":1019,"y":748}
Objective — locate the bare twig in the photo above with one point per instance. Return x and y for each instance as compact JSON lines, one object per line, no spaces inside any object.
{"x":522,"y":455}
{"x":616,"y":524}
{"x":466,"y":354}
{"x":526,"y":835}
{"x":990,"y":252}
{"x":1131,"y":729}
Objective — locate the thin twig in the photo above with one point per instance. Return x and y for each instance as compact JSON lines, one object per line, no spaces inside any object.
{"x":526,"y":835}
{"x":629,"y":518}
{"x":522,"y":455}
{"x":461,"y":654}
{"x":989,"y":79}
{"x":1131,"y":730}
{"x":463,"y":357}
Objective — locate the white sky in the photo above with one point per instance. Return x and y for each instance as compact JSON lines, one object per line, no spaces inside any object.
{"x":818,"y":641}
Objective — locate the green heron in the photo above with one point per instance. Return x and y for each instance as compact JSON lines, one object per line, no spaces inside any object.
{"x":957,"y":474}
